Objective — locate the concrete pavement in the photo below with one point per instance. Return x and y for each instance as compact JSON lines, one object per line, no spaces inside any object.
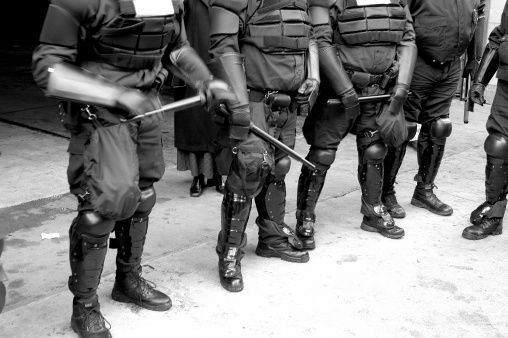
{"x":431,"y":283}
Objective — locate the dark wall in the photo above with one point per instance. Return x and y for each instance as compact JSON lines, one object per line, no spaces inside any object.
{"x":22,"y":20}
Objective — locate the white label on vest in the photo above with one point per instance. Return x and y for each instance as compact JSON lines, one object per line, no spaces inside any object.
{"x":145,"y":8}
{"x":372,"y":2}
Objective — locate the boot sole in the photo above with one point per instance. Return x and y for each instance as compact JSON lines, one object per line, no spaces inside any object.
{"x":476,"y":237}
{"x":419,"y":204}
{"x":75,"y":329}
{"x":230,"y":288}
{"x":368,"y":228}
{"x":120,"y":297}
{"x":271,"y":254}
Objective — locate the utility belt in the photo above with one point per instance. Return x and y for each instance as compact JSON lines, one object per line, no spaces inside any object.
{"x":274,"y":99}
{"x":436,"y":63}
{"x":361,"y":79}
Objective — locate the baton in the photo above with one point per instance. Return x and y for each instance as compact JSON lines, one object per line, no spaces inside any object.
{"x":468,"y":104}
{"x":194,"y":101}
{"x":190,"y":102}
{"x":362,"y":99}
{"x":276,"y":143}
{"x":290,"y":152}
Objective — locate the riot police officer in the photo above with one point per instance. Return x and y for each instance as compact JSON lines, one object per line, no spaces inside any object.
{"x":265,"y":51}
{"x":487,"y":218}
{"x":365,"y":49}
{"x":115,"y":54}
{"x":443,"y":30}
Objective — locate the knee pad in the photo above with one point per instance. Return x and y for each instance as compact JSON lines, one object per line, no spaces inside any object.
{"x":92,"y":224}
{"x":282,"y":168}
{"x":440,"y":129}
{"x":322,"y":156}
{"x":374,"y":153}
{"x":496,"y":146}
{"x":411,"y":130}
{"x":146,"y":203}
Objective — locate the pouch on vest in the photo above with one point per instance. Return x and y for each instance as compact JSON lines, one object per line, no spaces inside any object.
{"x":112,"y":171}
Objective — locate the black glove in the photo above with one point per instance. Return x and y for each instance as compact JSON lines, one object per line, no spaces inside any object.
{"x":399,"y":96}
{"x":308,"y":92}
{"x":351,"y":105}
{"x":471,"y":68}
{"x":133,"y":102}
{"x":214,"y":92}
{"x":477,"y":93}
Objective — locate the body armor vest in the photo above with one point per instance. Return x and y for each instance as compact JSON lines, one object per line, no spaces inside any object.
{"x":376,"y":22}
{"x":279,"y":27}
{"x":133,"y":40}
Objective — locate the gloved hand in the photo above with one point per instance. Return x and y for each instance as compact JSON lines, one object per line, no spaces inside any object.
{"x":351,"y":105}
{"x":308,"y":92}
{"x":399,"y":96}
{"x":214,"y":92}
{"x":477,"y":93}
{"x":471,"y":68}
{"x":133,"y":102}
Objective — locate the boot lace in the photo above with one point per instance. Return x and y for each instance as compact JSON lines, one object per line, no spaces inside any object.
{"x":94,"y":321}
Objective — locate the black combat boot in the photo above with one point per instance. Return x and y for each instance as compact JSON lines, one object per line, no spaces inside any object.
{"x":87,"y":254}
{"x":392,"y":163}
{"x":376,"y":217}
{"x":279,"y":240}
{"x":129,"y":286}
{"x":487,"y":218}
{"x":230,"y":267}
{"x":232,"y":239}
{"x":310,"y":185}
{"x":424,"y":197}
{"x":430,"y":155}
{"x":87,"y":320}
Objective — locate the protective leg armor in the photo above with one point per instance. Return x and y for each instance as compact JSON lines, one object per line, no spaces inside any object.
{"x":276,"y":239}
{"x":88,"y":236}
{"x":310,"y":185}
{"x":487,"y":218}
{"x":232,"y":239}
{"x":130,"y":234}
{"x":431,"y":146}
{"x":370,"y":175}
{"x":392,"y":163}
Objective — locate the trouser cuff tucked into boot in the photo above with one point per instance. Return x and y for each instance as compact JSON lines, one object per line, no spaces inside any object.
{"x":377,"y":219}
{"x":424,"y":197}
{"x":87,"y":320}
{"x":487,"y":220}
{"x":305,"y":229}
{"x":279,"y":240}
{"x":130,"y":287}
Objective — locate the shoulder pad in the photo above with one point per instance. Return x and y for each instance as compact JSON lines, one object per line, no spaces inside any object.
{"x":235,"y":6}
{"x":321,"y":3}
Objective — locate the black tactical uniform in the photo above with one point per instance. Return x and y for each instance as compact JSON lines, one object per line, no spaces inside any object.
{"x":264,"y":49}
{"x":487,"y":219}
{"x":443,"y":30}
{"x":126,"y":46}
{"x":364,"y":50}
